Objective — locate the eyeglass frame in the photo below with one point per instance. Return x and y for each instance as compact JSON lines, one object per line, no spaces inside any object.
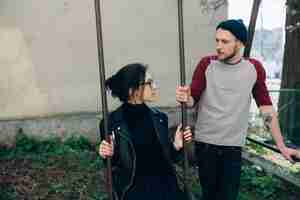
{"x":151,"y":83}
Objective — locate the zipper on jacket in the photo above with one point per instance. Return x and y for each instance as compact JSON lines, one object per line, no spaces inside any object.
{"x":134,"y":164}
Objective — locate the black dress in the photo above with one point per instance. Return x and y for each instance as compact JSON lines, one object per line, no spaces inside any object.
{"x":154,"y":180}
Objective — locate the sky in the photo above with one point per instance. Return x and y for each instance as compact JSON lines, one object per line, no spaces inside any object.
{"x":273,"y":12}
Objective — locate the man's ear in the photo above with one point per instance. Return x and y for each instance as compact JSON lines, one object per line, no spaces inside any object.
{"x":240,"y":45}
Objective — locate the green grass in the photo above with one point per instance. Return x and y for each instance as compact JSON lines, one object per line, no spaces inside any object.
{"x":50,"y":169}
{"x":71,"y":169}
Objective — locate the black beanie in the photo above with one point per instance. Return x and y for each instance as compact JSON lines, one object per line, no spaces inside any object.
{"x":236,"y":27}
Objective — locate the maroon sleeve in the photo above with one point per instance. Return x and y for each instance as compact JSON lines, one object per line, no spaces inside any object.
{"x":260,"y":91}
{"x":199,"y":80}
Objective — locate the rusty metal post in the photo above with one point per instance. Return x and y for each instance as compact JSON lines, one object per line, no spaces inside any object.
{"x":183,"y":105}
{"x":251,"y":28}
{"x":103,"y":92}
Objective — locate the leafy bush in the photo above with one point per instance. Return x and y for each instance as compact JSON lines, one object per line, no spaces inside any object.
{"x":263,"y":185}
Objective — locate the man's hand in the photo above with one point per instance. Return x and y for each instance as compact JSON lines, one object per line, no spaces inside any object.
{"x":289,"y":153}
{"x":271,"y":122}
{"x":179,"y":135}
{"x":183,"y":95}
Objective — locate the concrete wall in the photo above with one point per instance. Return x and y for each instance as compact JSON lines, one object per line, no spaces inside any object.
{"x":49,"y":77}
{"x":48,"y":52}
{"x":64,"y":126}
{"x":49,"y":63}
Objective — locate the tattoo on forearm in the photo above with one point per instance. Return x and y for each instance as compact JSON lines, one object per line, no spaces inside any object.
{"x":267,"y":118}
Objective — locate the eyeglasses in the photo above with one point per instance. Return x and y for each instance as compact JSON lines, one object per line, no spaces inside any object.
{"x":151,"y":83}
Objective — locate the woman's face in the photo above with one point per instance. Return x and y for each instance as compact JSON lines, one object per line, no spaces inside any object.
{"x":147,"y":92}
{"x":150,"y":90}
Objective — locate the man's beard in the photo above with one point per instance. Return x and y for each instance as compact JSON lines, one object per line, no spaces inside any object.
{"x":229,"y":57}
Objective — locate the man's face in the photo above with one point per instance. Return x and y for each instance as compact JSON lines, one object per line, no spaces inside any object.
{"x":227,"y":46}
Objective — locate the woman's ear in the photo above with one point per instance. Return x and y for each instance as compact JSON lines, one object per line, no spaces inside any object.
{"x":130,"y":92}
{"x":133,"y":94}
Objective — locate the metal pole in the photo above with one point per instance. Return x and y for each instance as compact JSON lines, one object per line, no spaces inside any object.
{"x":251,"y":28}
{"x":271,"y":147}
{"x":183,"y":82}
{"x":103,"y":92}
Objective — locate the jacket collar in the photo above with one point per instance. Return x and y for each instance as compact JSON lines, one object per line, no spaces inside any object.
{"x":117,"y":118}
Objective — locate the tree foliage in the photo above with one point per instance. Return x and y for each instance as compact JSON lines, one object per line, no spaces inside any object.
{"x":290,"y":100}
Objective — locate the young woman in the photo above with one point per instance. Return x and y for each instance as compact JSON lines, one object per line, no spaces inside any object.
{"x":141,"y":150}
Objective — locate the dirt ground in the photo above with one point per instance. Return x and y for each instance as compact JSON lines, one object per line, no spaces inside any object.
{"x":73,"y":171}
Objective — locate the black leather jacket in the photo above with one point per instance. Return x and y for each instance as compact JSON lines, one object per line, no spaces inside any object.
{"x":124,"y":159}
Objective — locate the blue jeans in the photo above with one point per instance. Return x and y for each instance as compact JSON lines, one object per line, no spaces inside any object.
{"x":219,"y":170}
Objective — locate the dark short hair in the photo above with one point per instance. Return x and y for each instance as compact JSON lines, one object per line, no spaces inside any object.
{"x":130,"y":76}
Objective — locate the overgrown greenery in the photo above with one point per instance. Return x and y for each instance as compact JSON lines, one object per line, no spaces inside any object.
{"x":71,"y":169}
{"x":50,"y":169}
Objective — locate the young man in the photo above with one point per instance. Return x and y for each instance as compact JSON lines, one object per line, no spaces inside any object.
{"x":222,"y":86}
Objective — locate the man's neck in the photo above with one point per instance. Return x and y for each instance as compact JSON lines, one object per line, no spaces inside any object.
{"x":234,"y":60}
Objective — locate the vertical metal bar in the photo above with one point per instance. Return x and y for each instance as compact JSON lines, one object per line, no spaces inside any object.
{"x":183,"y":82}
{"x":251,"y":28}
{"x":103,"y":91}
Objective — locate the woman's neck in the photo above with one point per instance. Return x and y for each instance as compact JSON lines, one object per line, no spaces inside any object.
{"x":134,"y":101}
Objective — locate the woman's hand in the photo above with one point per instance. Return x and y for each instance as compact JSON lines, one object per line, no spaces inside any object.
{"x":179,"y":135}
{"x":106,"y":149}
